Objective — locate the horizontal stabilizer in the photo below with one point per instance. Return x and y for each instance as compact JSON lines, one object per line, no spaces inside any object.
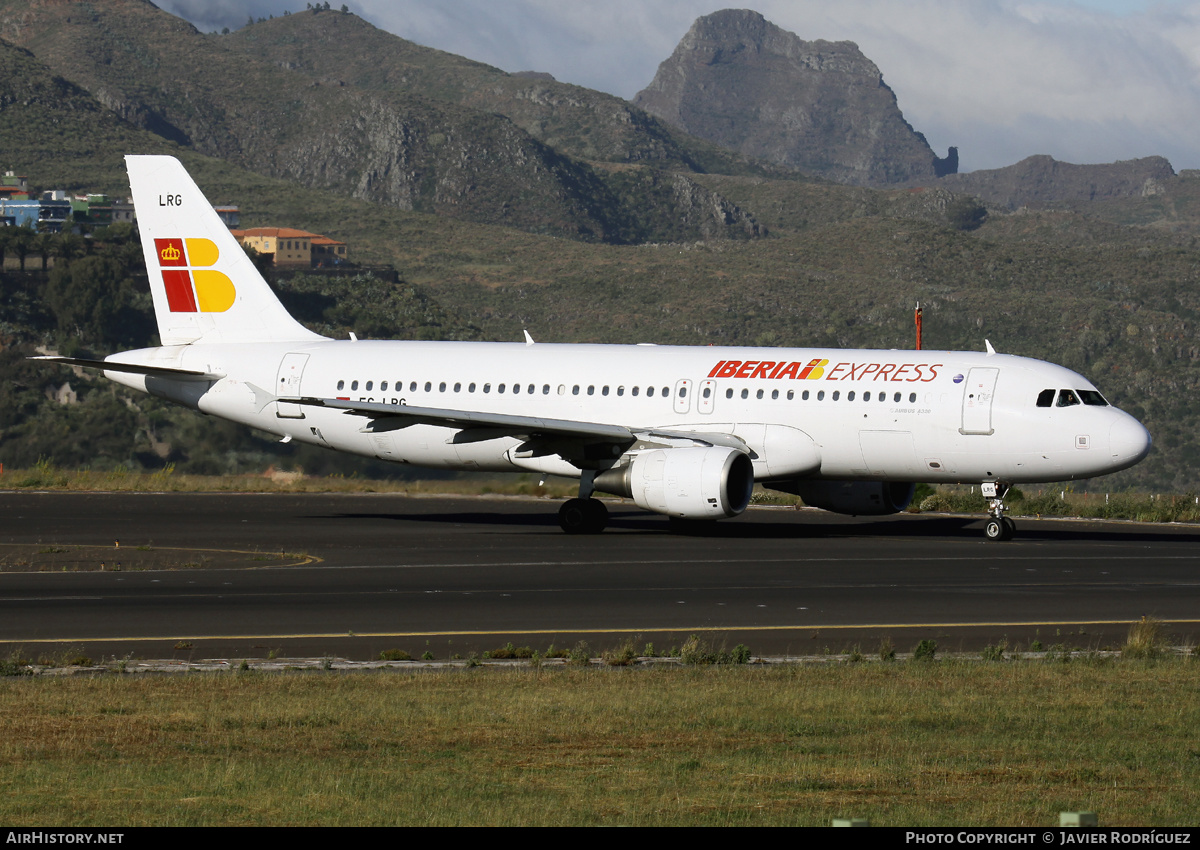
{"x":133,"y":368}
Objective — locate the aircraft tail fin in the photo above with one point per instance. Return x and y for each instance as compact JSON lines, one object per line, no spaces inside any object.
{"x":205,"y":287}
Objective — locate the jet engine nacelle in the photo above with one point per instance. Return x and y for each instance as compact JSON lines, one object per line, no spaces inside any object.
{"x":689,"y":482}
{"x":860,"y":498}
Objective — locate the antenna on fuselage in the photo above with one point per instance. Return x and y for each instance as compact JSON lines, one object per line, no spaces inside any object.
{"x":917,"y":319}
{"x":528,"y":338}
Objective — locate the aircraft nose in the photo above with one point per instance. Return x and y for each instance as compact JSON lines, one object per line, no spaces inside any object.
{"x":1128,"y":441}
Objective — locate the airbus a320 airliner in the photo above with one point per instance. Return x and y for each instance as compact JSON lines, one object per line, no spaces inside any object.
{"x":682,"y":431}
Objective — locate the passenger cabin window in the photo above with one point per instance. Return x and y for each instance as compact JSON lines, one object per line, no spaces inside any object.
{"x":341,"y":385}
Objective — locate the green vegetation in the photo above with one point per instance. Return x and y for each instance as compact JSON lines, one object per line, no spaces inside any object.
{"x":938,"y":743}
{"x":1108,"y":289}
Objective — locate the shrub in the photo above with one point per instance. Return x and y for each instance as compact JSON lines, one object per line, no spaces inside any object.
{"x":623,"y":656}
{"x":697,"y":651}
{"x":581,"y":655}
{"x":995,"y":652}
{"x":508,"y":651}
{"x":1145,"y":639}
{"x":925,"y":650}
{"x":887,"y":650}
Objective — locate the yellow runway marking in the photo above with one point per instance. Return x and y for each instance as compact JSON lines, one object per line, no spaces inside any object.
{"x":643,"y":631}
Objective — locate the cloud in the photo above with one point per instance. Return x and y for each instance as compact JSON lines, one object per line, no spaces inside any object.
{"x":1001,"y":79}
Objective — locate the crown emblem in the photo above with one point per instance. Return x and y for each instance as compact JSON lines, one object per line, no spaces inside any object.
{"x":170,"y":253}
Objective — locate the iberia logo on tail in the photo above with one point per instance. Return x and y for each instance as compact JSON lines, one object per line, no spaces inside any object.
{"x":192,"y":287}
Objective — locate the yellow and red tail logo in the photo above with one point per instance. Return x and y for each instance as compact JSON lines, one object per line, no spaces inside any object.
{"x":192,"y":287}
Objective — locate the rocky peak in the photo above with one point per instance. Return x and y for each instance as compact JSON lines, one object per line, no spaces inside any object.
{"x":821,"y":106}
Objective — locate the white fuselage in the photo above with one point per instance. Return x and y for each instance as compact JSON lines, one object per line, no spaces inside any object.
{"x":935,"y":416}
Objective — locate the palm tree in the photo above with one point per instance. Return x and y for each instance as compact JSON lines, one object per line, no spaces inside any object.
{"x":21,"y":241}
{"x":43,"y":243}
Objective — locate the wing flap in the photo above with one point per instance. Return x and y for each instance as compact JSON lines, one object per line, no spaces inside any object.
{"x":492,"y":425}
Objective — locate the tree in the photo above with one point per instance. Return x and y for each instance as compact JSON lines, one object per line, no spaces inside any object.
{"x":966,"y":213}
{"x":21,"y":241}
{"x":96,"y":302}
{"x":43,"y":245}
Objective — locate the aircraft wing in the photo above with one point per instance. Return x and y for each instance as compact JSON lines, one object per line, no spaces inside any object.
{"x":132,"y":368}
{"x":473,"y":424}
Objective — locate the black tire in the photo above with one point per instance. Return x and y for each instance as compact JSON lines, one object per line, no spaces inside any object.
{"x":994,"y":529}
{"x":597,"y":516}
{"x":582,"y":516}
{"x":1010,"y":528}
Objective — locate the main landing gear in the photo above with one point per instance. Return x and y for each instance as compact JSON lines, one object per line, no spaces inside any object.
{"x":584,"y":515}
{"x":998,"y":526}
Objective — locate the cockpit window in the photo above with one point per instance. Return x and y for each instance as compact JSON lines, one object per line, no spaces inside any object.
{"x":1093,"y":398}
{"x":1045,"y":398}
{"x":1066,"y":398}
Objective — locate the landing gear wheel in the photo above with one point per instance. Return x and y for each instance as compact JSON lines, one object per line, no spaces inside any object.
{"x":583,"y":516}
{"x":1001,"y":528}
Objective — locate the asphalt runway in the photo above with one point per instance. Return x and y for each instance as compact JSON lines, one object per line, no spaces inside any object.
{"x":194,"y":576}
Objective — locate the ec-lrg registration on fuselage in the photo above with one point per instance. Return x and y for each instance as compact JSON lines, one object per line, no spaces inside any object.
{"x":682,"y":431}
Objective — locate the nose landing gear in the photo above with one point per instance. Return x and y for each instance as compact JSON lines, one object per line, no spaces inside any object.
{"x":998,"y":526}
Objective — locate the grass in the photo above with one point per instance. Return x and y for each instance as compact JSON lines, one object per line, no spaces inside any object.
{"x":47,"y":476}
{"x":953,"y":498}
{"x":937,"y":743}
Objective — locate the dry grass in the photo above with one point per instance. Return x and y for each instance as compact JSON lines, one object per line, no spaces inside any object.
{"x":46,"y":476}
{"x":903,"y":744}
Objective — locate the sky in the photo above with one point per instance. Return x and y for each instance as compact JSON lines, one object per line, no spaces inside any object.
{"x":1085,"y":82}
